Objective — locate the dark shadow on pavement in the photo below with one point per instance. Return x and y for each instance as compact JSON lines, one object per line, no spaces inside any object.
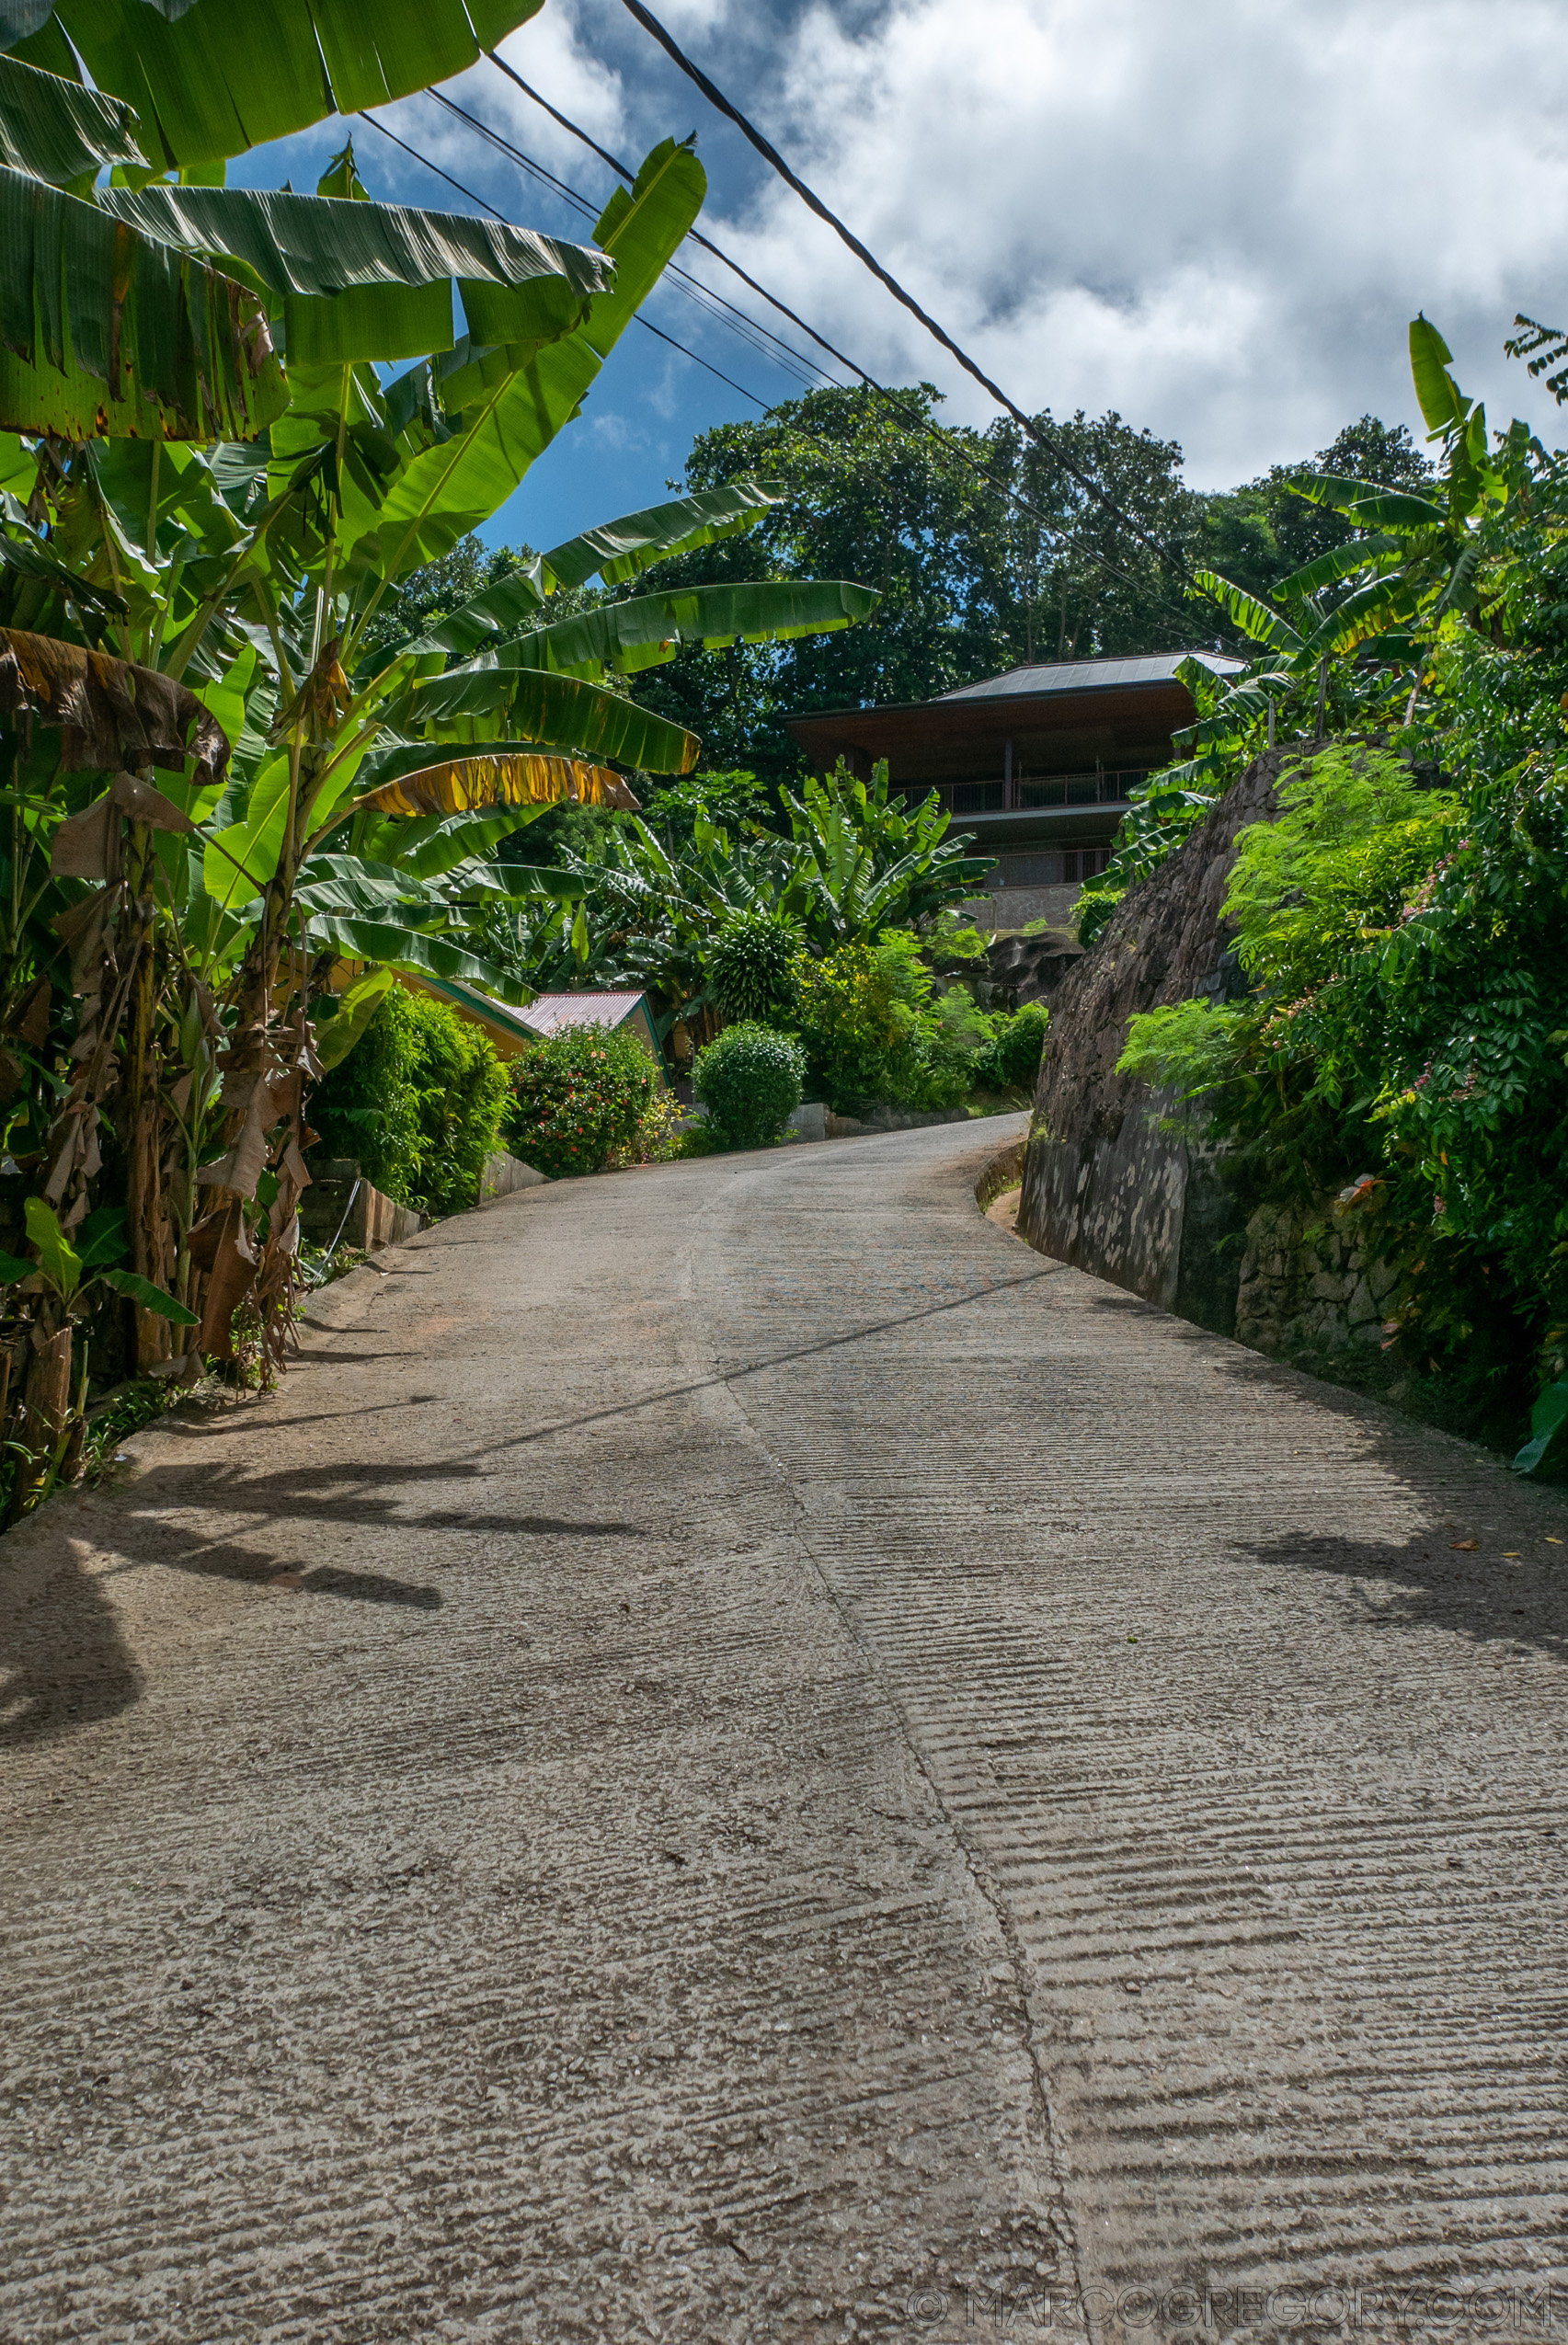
{"x":1482,"y":1594}
{"x":62,"y":1661}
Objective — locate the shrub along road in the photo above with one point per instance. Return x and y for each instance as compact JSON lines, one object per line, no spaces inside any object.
{"x":740,"y":1756}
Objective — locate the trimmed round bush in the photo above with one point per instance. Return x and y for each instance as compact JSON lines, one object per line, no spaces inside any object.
{"x":749,"y":966}
{"x":750,"y":1082}
{"x":579,"y":1099}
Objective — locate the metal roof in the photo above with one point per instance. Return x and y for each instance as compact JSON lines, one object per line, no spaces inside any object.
{"x":550,"y":1013}
{"x":1089,"y":675}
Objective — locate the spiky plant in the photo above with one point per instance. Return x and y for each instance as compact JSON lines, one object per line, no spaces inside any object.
{"x":749,"y":965}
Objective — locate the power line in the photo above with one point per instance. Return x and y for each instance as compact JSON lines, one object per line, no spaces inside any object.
{"x":693,"y":235}
{"x":771,"y":155}
{"x":495,"y":214}
{"x":794,"y":362}
{"x":910,"y":417}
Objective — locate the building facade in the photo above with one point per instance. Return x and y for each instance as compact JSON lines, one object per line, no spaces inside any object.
{"x":1036,"y":765}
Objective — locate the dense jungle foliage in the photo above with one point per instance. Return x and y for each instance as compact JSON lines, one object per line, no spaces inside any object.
{"x":245,"y":452}
{"x":1402,"y":1034}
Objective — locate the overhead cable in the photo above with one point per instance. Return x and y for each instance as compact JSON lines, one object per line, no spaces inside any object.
{"x":771,"y":155}
{"x":908,"y":413}
{"x":693,"y":287}
{"x":645,"y":323}
{"x":910,"y":416}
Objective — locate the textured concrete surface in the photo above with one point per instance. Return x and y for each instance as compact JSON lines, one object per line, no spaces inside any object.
{"x":740,"y":1756}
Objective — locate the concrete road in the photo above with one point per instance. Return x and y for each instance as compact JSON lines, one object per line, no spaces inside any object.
{"x":740,"y":1757}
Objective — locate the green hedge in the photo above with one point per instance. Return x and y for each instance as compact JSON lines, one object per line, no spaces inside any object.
{"x":418,"y":1103}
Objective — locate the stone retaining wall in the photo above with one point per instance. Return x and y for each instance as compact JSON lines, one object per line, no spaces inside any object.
{"x":1312,"y":1275}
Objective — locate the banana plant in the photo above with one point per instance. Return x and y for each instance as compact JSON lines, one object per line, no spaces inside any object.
{"x":208,"y":490}
{"x":62,"y":1280}
{"x":1414,"y":562}
{"x":869,"y":862}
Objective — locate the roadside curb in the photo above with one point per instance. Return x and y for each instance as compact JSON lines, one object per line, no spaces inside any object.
{"x":1001,"y":1172}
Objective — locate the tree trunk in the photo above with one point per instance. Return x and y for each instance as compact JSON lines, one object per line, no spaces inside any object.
{"x":46,"y":1409}
{"x":146,"y":1207}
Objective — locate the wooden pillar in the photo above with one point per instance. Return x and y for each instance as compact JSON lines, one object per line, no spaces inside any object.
{"x":1007,"y":778}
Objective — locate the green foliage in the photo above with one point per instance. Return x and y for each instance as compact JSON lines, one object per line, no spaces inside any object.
{"x":876,"y":1028}
{"x":461,"y":1088}
{"x":1316,"y":867}
{"x":1409,"y":1014}
{"x":418,"y":1103}
{"x":1020,"y":1040}
{"x":366,"y":1108}
{"x":659,"y":903}
{"x":749,"y":966}
{"x":578,"y":1099}
{"x":859,"y":1036}
{"x":1187,"y":1047}
{"x":956,"y":1047}
{"x":749,"y":1080}
{"x":673,"y":804}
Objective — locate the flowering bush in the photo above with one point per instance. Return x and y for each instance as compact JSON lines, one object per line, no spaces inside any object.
{"x":579,"y":1100}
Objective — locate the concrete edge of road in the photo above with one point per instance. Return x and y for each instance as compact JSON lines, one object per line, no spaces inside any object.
{"x":1001,"y":1172}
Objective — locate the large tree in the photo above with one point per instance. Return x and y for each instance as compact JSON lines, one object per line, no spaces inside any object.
{"x":988,"y":550}
{"x":1073,"y":576}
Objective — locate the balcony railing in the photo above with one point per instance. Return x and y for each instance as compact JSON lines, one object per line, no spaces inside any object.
{"x":1025,"y":793}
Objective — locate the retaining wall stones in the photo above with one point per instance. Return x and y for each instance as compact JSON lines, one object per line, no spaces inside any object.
{"x":1312,"y":1275}
{"x":1105,"y":1186}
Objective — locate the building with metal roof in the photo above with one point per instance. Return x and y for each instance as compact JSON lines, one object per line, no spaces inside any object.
{"x":1035,"y":764}
{"x":512,"y":1030}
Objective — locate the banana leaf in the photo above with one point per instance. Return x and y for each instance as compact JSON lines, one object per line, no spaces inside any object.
{"x":389,"y":945}
{"x":438,"y":844}
{"x":1254,"y":618}
{"x":373,"y":280}
{"x":454,"y":485}
{"x":336,"y":1036}
{"x":103,"y":330}
{"x":1339,"y":562}
{"x":56,"y":129}
{"x":623,"y":637}
{"x":617,"y":550}
{"x":1369,"y":504}
{"x":364,"y":888}
{"x":1442,"y":403}
{"x":462,"y":784}
{"x":211,"y":77}
{"x":1362,"y":617}
{"x":476,"y":704}
{"x":109,"y":711}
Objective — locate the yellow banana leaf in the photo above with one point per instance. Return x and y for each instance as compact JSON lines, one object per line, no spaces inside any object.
{"x":461,"y":783}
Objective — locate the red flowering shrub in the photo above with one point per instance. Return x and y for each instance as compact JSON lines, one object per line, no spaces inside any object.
{"x":578,"y":1100}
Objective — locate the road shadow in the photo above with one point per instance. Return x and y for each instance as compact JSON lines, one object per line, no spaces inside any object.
{"x":64,"y":1663}
{"x":1483,"y":1595}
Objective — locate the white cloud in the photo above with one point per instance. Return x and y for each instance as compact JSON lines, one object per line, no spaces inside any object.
{"x":1218,"y":218}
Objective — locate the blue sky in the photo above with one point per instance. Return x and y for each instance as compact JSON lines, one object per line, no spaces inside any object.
{"x":1216,"y":220}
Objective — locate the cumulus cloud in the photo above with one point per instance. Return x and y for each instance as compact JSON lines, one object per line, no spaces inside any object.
{"x":1216,"y":219}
